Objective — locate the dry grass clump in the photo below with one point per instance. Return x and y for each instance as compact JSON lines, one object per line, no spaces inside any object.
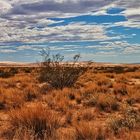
{"x":135,"y":75}
{"x":85,"y":115}
{"x":14,"y":94}
{"x":103,"y":102}
{"x":122,"y":79}
{"x":110,"y":75}
{"x":11,"y":98}
{"x":103,"y":81}
{"x":15,"y":91}
{"x":87,"y":131}
{"x":60,"y":100}
{"x":27,"y":69}
{"x":31,"y":92}
{"x":133,"y":95}
{"x":107,"y":103}
{"x":37,"y":120}
{"x":7,"y":83}
{"x":120,"y":88}
{"x":129,"y":120}
{"x":90,"y":102}
{"x":69,"y":117}
{"x":92,"y":89}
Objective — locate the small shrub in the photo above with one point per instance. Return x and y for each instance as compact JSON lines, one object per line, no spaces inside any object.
{"x":133,"y":118}
{"x":27,"y":70}
{"x":13,"y":70}
{"x":8,"y":72}
{"x":127,"y":121}
{"x":4,"y":74}
{"x":115,"y":124}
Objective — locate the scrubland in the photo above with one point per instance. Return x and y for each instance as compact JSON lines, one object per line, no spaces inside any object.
{"x":102,"y":104}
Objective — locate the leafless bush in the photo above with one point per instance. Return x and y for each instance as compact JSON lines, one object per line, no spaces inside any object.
{"x":59,"y":73}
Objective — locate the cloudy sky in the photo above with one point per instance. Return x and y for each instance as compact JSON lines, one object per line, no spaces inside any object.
{"x":100,"y":30}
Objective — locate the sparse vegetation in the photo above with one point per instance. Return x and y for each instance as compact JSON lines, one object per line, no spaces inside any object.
{"x":98,"y":105}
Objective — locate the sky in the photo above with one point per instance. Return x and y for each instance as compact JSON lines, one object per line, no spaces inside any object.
{"x":98,"y":30}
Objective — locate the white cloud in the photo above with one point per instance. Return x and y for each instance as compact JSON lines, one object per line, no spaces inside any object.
{"x":117,"y":48}
{"x":25,"y":47}
{"x":131,"y":12}
{"x":130,"y":23}
{"x":7,"y":51}
{"x":132,"y":49}
{"x":4,"y":7}
{"x":22,"y":16}
{"x":72,"y":32}
{"x":27,"y":21}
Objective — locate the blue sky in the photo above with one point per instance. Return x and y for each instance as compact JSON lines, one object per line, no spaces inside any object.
{"x":100,"y":30}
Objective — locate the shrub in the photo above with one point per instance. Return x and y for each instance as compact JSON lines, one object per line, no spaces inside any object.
{"x":115,"y":124}
{"x":27,"y":70}
{"x":129,"y":120}
{"x":8,"y":72}
{"x":4,"y":74}
{"x":133,"y":117}
{"x":60,"y":74}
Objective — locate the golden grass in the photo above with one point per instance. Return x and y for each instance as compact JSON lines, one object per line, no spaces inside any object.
{"x":36,"y":119}
{"x":93,"y":109}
